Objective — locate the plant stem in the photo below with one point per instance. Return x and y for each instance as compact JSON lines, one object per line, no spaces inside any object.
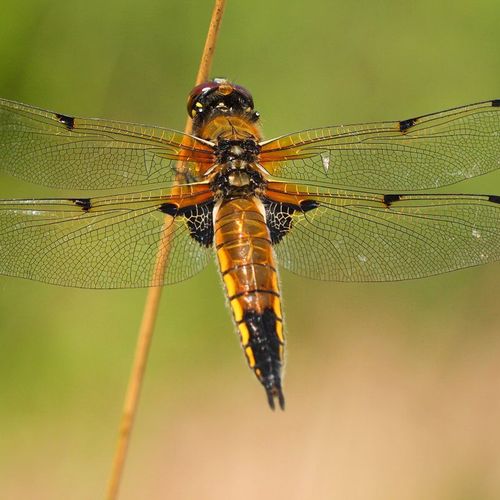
{"x":153,"y":297}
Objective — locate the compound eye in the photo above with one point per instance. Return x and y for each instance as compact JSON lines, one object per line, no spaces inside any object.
{"x":195,"y":98}
{"x":245,"y":94}
{"x":230,"y":95}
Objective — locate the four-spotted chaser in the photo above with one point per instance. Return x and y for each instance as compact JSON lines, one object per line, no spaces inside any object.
{"x":338,"y":203}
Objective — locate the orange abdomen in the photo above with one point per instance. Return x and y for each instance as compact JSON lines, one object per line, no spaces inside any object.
{"x":247,"y":264}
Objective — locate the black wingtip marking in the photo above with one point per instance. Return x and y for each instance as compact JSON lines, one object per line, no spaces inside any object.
{"x":494,"y":198}
{"x":84,"y":203}
{"x":389,"y":199}
{"x":495,"y":103}
{"x":69,"y":121}
{"x":404,"y":125}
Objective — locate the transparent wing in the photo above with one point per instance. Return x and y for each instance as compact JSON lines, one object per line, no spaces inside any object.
{"x":61,"y":151}
{"x":107,"y":242}
{"x":419,"y":153}
{"x":351,"y":236}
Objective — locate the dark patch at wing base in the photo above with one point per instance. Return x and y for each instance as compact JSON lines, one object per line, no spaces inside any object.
{"x":494,"y":198}
{"x":169,"y":209}
{"x":279,"y":216}
{"x":199,"y":219}
{"x":307,"y":205}
{"x":279,"y":219}
{"x":495,"y":103}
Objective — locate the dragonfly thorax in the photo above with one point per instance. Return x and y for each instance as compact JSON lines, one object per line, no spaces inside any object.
{"x":232,"y":151}
{"x":237,"y":174}
{"x":237,"y":178}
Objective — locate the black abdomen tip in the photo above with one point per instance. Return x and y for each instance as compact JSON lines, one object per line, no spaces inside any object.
{"x":266,"y":346}
{"x":274,"y":391}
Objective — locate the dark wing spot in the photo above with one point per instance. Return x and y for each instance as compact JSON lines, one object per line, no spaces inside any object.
{"x":389,"y":199}
{"x":69,"y":121}
{"x":84,"y":203}
{"x":495,"y":103}
{"x":494,"y":198}
{"x":404,"y":125}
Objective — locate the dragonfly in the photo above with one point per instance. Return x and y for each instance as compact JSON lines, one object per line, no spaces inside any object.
{"x":344,"y":203}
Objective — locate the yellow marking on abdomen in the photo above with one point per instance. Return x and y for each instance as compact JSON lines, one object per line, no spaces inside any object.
{"x":279,"y":331}
{"x":247,"y":263}
{"x":244,"y":334}
{"x":250,"y":356}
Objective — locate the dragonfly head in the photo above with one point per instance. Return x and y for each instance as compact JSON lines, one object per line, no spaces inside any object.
{"x":218,"y":97}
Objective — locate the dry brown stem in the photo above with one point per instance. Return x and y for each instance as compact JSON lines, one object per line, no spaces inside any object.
{"x":154,"y":294}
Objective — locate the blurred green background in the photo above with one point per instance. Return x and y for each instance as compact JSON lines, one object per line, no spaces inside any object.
{"x":393,"y":390}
